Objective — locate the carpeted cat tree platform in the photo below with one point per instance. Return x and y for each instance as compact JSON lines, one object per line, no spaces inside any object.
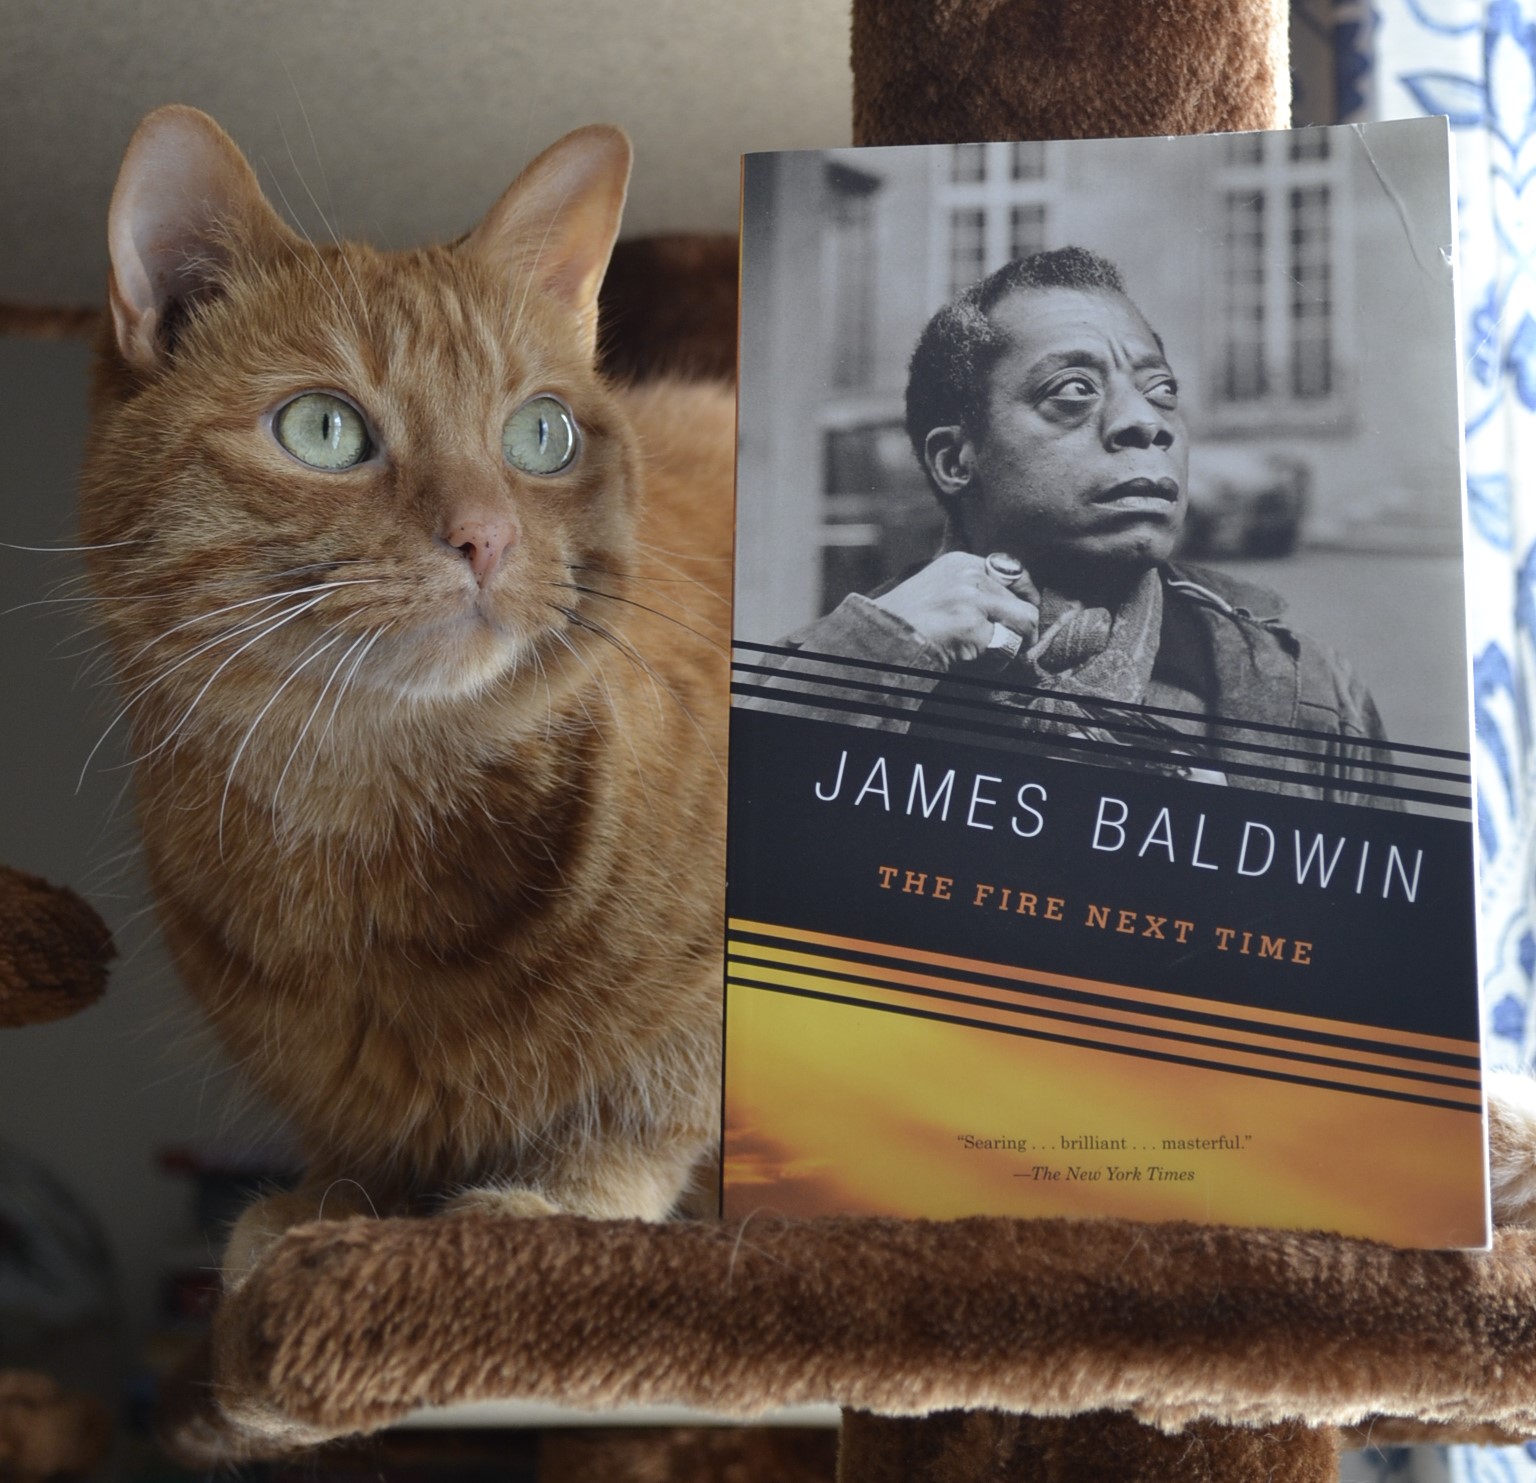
{"x":967,"y":1352}
{"x":971,"y":1352}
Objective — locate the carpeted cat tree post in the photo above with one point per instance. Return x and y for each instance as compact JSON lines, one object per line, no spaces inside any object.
{"x":972,"y":1352}
{"x":928,"y":72}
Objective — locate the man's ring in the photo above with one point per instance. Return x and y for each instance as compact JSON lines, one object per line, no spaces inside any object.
{"x":1004,"y":641}
{"x":1007,"y":569}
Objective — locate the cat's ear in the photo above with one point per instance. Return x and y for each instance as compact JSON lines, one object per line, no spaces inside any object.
{"x":556,"y":222}
{"x":184,"y":195}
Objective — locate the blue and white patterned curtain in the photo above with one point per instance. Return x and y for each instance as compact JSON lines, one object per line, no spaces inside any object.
{"x":1475,"y":61}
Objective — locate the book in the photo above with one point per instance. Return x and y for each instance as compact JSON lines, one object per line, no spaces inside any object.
{"x":1101,"y":827}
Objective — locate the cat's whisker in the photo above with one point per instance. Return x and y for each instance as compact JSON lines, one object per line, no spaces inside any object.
{"x":664,"y":586}
{"x":310,"y":718}
{"x":63,"y":550}
{"x":118,"y":861}
{"x":112,"y":818}
{"x":58,"y":651}
{"x":625,"y":648}
{"x":314,"y":145}
{"x":132,"y":920}
{"x":299,"y":258}
{"x":657,"y":556}
{"x":362,"y":298}
{"x":626,"y":732}
{"x":602,"y":681}
{"x":316,"y":566}
{"x":264,"y":601}
{"x":533,"y":276}
{"x":73,"y":581}
{"x":640,"y":773}
{"x":645,"y":667}
{"x":542,"y":671}
{"x":186,"y":715}
{"x":676,"y":592}
{"x":122,"y":600}
{"x":202,"y":648}
{"x":74,"y":586}
{"x":664,"y":589}
{"x":263,"y":606}
{"x":340,"y":695}
{"x":307,"y":657}
{"x":652,"y":549}
{"x":154,"y":680}
{"x":315,"y":251}
{"x":644,"y":608}
{"x":87,"y":602}
{"x":47,"y":602}
{"x":656,"y":688}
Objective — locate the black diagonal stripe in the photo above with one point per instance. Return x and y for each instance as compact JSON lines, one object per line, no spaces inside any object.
{"x":849,"y":960}
{"x":992,"y":683}
{"x":1109,"y":750}
{"x":1214,"y":1042}
{"x":1203,"y":746}
{"x":1115,"y":1050}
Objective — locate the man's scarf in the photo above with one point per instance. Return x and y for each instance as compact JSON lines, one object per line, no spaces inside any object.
{"x":1097,"y":654}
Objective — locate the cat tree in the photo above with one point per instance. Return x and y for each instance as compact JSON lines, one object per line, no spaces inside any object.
{"x":983,"y":1350}
{"x":970,"y":1352}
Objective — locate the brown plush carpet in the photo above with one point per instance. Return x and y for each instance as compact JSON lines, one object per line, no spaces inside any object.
{"x":54,"y":950}
{"x":942,"y":71}
{"x":349,"y":1325}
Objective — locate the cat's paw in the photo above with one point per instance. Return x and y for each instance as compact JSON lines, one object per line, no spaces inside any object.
{"x":510,"y":1201}
{"x":262,"y":1224}
{"x":1512,"y":1147}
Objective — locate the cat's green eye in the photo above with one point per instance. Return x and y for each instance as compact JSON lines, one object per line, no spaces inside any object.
{"x":322,"y":431}
{"x":540,"y":437}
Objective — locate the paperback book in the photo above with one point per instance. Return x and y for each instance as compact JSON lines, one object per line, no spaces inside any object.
{"x":1101,"y":831}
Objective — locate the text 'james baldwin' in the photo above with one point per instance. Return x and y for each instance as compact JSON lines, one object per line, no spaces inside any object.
{"x":1253,"y":851}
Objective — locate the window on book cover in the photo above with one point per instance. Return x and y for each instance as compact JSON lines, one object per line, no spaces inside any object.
{"x":879,"y":517}
{"x":995,"y":204}
{"x":967,"y":246}
{"x":1026,"y":229}
{"x":1026,"y":160}
{"x":850,"y":275}
{"x":967,"y":163}
{"x":1279,"y":271}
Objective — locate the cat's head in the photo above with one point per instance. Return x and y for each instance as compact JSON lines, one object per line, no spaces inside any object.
{"x":317,"y":466}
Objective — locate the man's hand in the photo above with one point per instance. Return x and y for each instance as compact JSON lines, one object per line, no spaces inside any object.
{"x":955,"y":600}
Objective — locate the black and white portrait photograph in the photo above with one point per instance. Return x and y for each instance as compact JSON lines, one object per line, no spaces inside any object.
{"x":1154,"y":443}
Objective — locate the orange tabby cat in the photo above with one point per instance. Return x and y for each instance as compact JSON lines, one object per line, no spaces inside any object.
{"x":420,"y":627}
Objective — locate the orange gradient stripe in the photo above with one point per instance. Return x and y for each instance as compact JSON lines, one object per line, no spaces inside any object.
{"x":878,"y":999}
{"x":750,"y":954}
{"x":1283,"y":1018}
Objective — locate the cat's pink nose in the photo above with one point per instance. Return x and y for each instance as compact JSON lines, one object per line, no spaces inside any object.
{"x":482,"y":543}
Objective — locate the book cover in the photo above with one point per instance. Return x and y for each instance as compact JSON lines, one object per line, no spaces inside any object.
{"x":1101,"y":832}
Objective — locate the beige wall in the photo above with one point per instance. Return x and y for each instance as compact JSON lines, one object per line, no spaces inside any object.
{"x":403,"y":120}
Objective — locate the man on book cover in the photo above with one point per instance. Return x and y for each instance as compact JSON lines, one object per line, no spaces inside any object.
{"x":1045,"y":416}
